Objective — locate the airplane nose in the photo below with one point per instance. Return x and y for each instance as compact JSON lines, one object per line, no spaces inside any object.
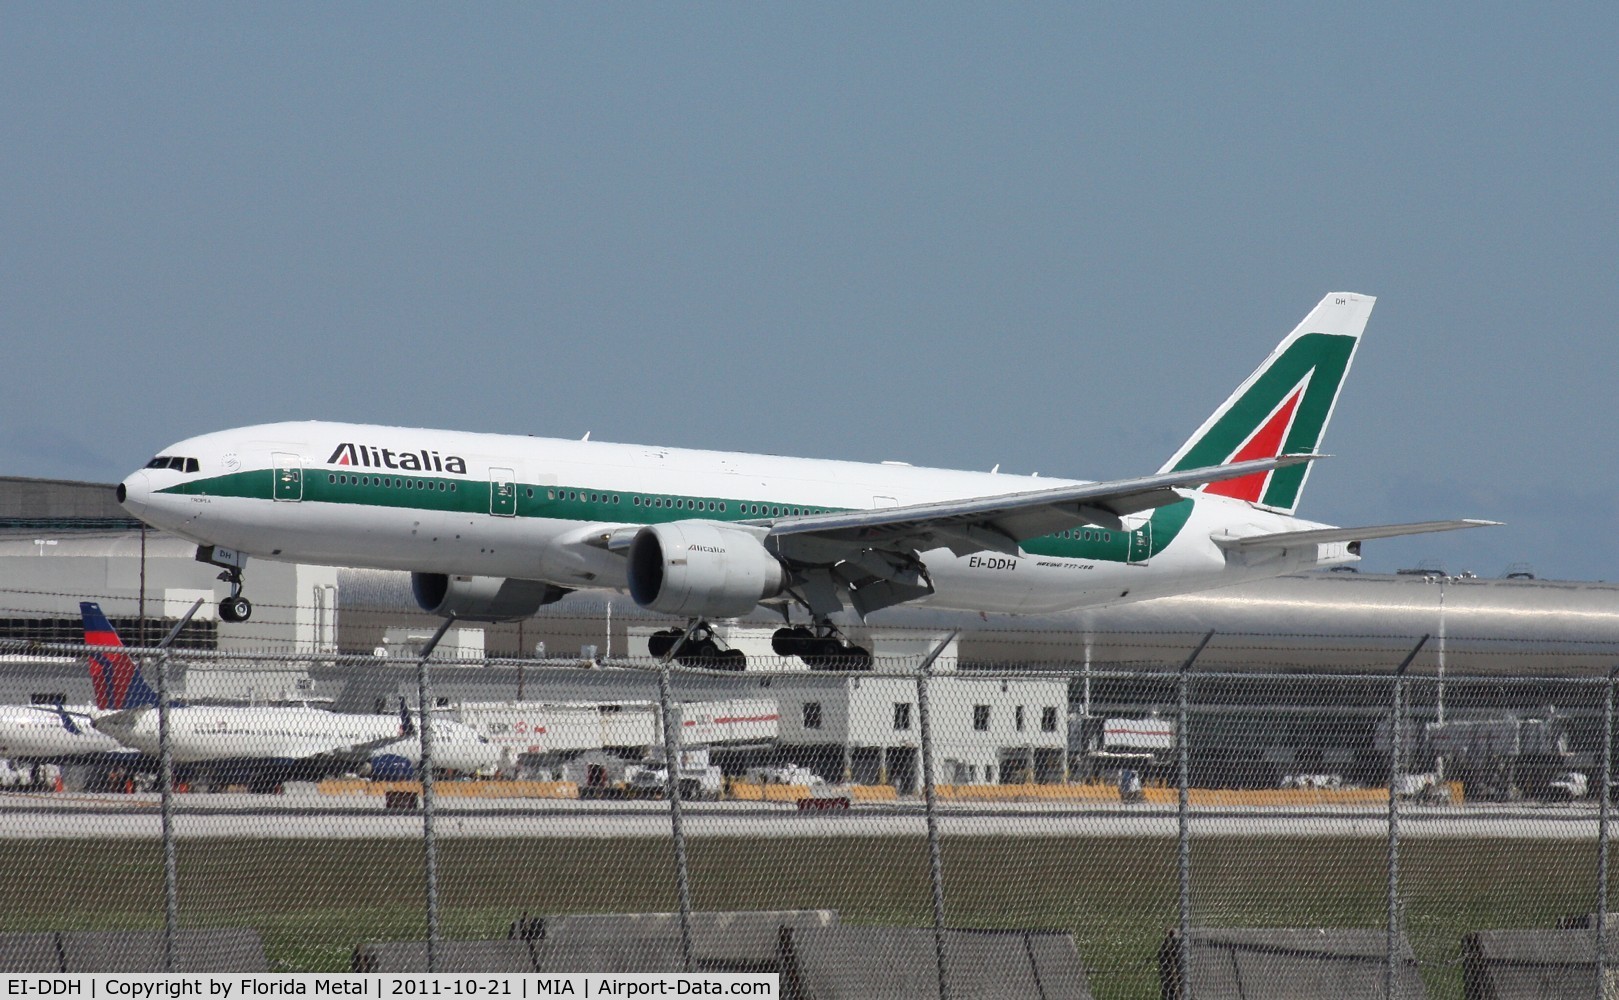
{"x":133,"y":491}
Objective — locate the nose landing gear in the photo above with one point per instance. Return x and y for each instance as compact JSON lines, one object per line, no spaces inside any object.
{"x":234,"y":608}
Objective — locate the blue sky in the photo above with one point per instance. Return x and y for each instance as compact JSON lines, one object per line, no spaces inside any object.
{"x":1048,"y":237}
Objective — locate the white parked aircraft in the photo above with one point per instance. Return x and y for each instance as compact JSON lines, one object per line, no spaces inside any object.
{"x":263,"y":747}
{"x":493,"y":526}
{"x":54,"y":733}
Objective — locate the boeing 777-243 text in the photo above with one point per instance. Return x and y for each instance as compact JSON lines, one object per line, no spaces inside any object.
{"x":492,"y":527}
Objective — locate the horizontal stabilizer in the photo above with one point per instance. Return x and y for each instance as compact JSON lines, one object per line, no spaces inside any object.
{"x":1322,"y":536}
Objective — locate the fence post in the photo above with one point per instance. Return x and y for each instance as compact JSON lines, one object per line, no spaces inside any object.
{"x":930,"y":798}
{"x":165,"y":772}
{"x":1396,"y":757}
{"x":1604,"y":819}
{"x":165,"y":777}
{"x":424,"y":705}
{"x":671,"y":791}
{"x":1183,"y":813}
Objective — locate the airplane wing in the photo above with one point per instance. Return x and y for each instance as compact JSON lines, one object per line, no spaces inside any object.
{"x":1319,"y":536}
{"x":121,"y":718}
{"x":872,"y":555}
{"x":357,"y":753}
{"x":998,"y":523}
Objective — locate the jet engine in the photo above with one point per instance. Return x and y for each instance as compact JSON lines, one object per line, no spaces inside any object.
{"x":482,"y":598}
{"x":701,"y":570}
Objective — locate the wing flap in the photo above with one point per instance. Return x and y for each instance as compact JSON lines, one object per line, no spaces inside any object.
{"x":1323,"y":536}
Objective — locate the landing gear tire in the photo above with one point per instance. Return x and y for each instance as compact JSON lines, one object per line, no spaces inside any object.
{"x":699,"y":651}
{"x":659,"y":643}
{"x":820,"y":652}
{"x":794,"y":641}
{"x":235,"y":609}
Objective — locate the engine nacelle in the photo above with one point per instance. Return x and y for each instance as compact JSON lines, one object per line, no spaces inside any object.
{"x":700,"y":569}
{"x":482,"y":598}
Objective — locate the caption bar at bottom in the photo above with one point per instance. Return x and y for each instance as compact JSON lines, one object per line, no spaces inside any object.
{"x":387,"y":985}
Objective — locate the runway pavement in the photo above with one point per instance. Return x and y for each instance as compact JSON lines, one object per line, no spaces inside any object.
{"x":307,"y":815}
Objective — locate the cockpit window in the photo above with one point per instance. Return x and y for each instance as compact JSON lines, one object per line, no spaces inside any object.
{"x":174,"y":462}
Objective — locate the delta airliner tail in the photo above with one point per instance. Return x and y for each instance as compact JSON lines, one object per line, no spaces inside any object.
{"x":114,"y":673}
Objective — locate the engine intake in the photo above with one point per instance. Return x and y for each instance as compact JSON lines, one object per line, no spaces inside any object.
{"x":700,"y":569}
{"x":482,"y":598}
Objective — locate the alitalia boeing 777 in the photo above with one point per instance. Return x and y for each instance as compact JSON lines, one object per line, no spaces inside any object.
{"x":492,"y":527}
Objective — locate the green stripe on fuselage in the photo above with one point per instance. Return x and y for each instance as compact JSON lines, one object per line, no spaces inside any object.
{"x":573,"y":503}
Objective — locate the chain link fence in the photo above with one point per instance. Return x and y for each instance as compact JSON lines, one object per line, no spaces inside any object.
{"x":915,"y":827}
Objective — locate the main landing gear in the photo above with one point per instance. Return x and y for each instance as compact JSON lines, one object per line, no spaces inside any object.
{"x":234,"y":608}
{"x":820,"y":647}
{"x":701,"y":650}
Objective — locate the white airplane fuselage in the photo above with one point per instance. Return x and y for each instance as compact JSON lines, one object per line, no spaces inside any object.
{"x":529,"y":508}
{"x":38,"y":732}
{"x":200,"y":733}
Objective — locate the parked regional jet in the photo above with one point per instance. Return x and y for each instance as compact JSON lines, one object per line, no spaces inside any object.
{"x":56,"y":733}
{"x":492,"y":527}
{"x":265,"y":746}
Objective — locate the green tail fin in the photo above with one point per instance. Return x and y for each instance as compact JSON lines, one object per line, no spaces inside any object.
{"x":1283,"y":407}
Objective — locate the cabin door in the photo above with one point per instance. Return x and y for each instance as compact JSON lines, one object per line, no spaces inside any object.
{"x":1141,"y":543}
{"x":502,"y":493}
{"x":289,"y":477}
